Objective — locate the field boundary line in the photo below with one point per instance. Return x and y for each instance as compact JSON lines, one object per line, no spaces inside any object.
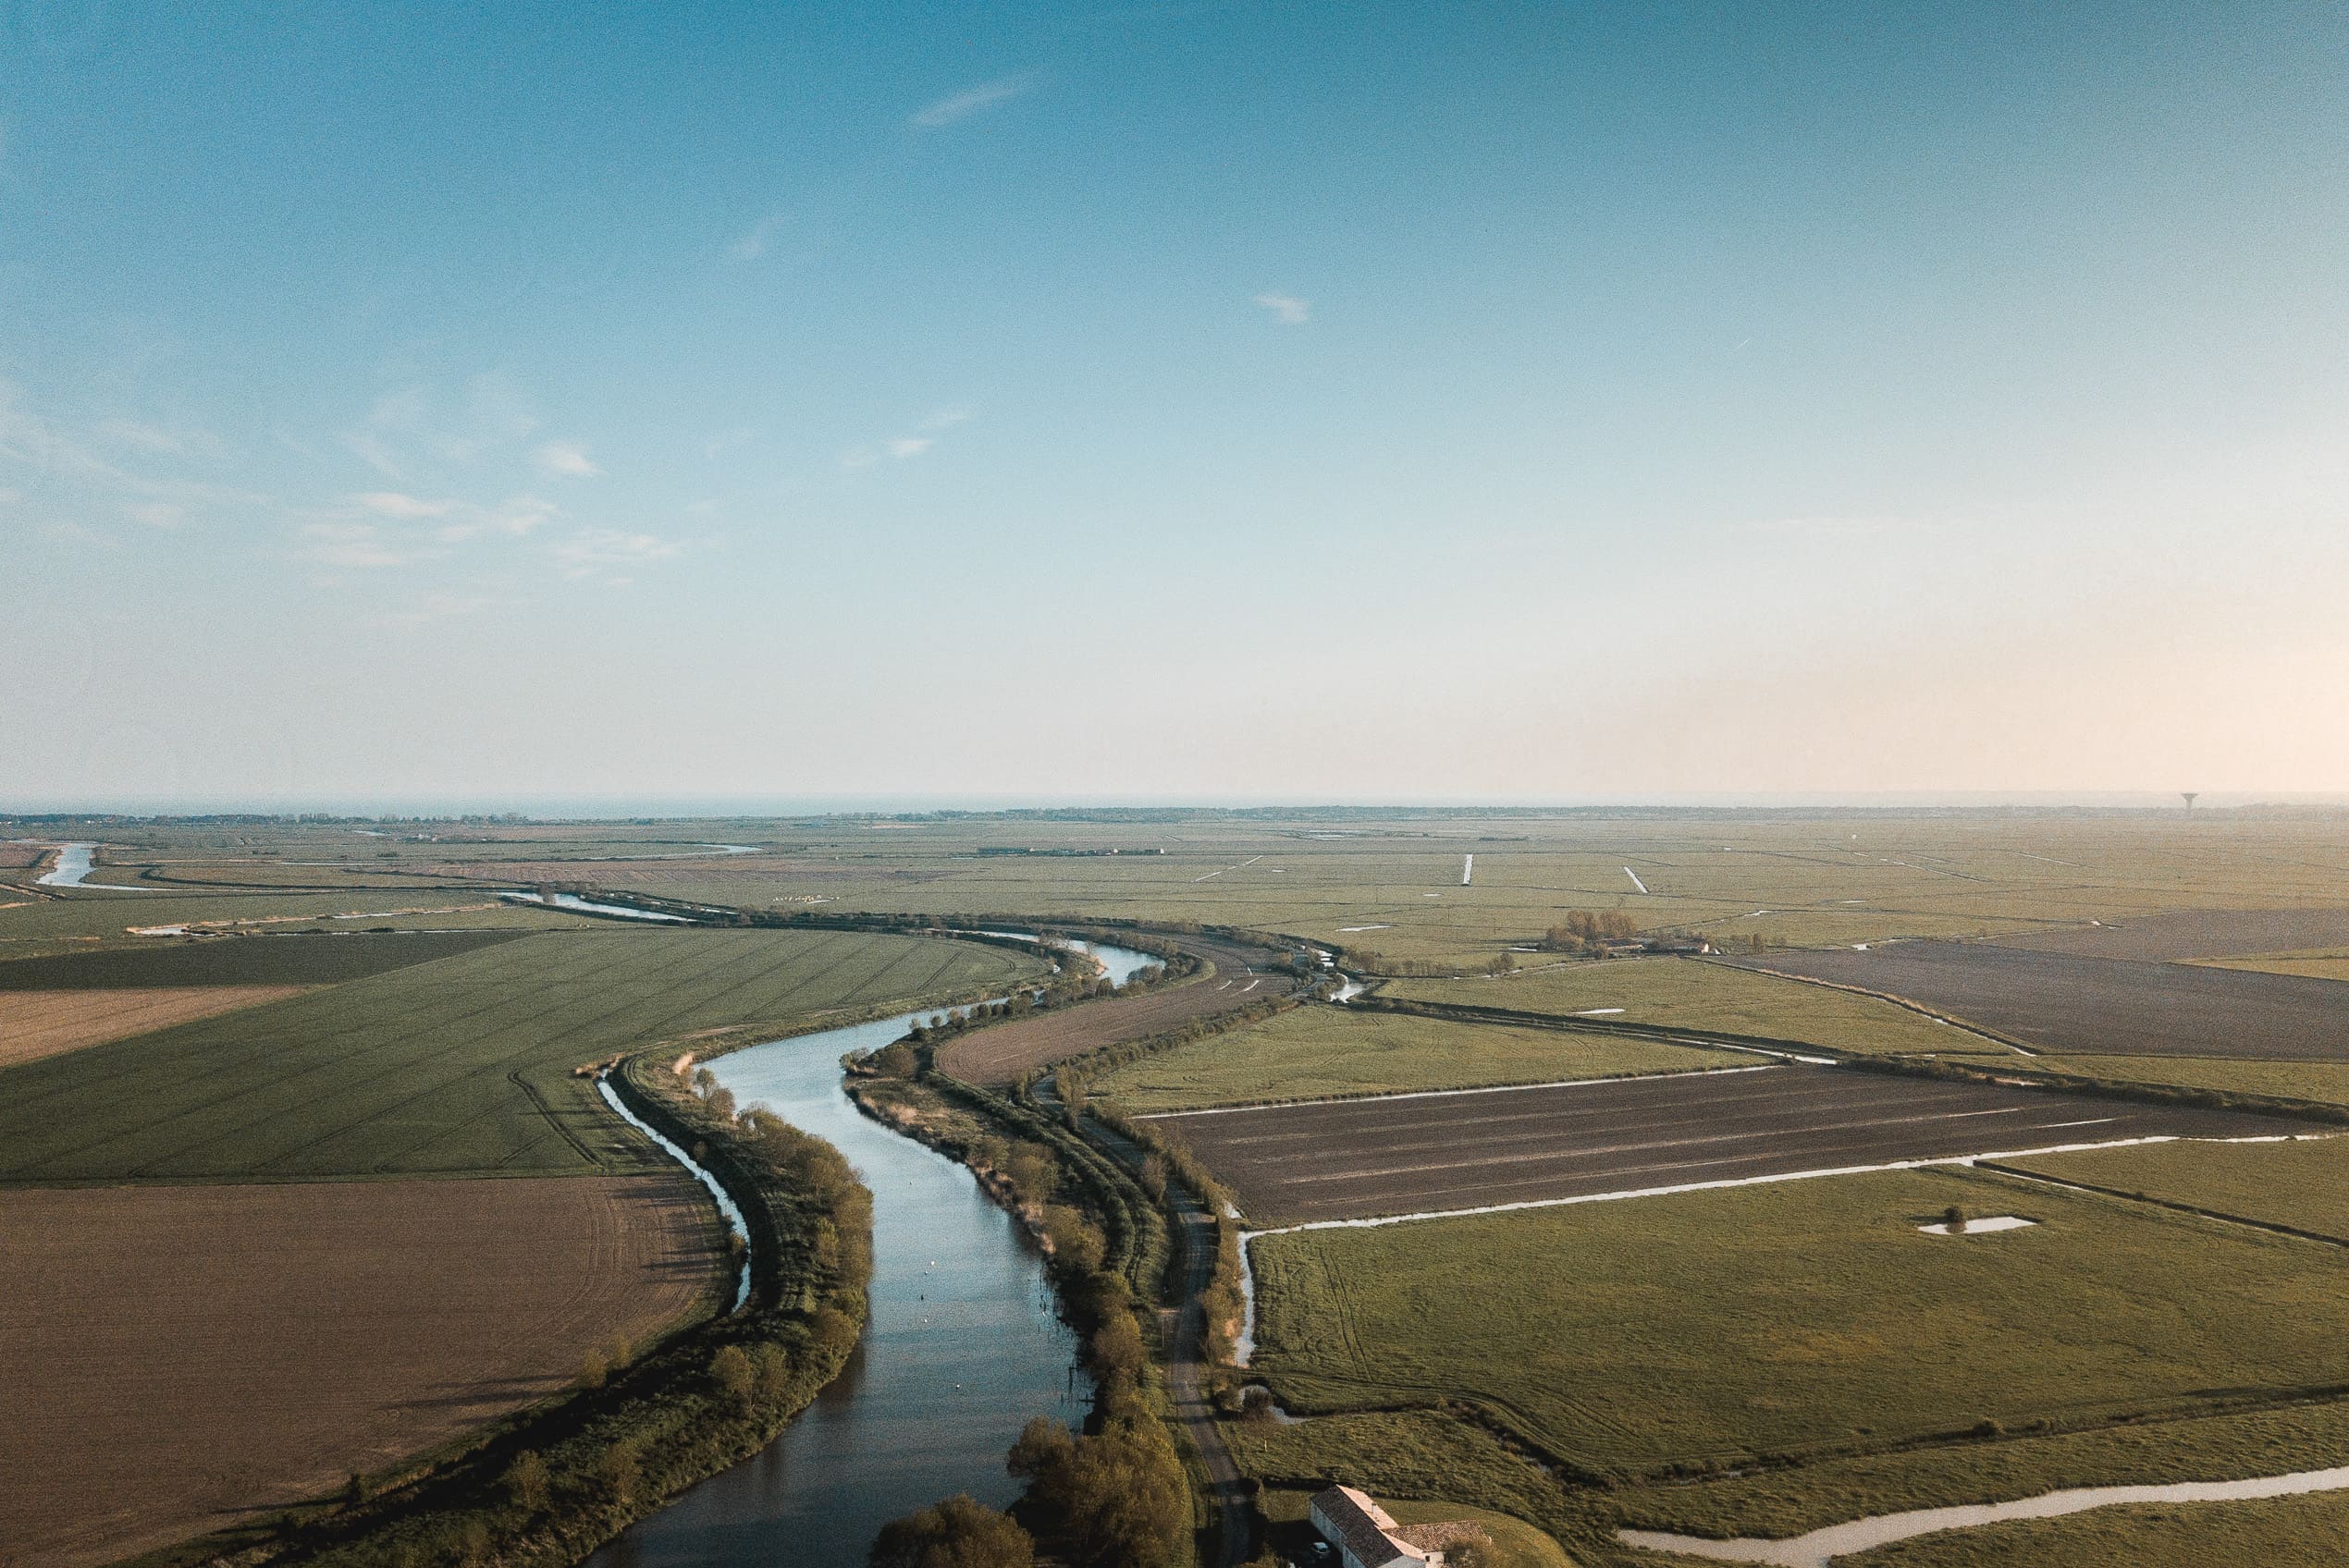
{"x":2270,"y":1226}
{"x":1447,"y":1094}
{"x":1903,"y":1002}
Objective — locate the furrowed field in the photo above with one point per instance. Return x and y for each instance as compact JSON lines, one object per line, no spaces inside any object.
{"x":459,"y":1066}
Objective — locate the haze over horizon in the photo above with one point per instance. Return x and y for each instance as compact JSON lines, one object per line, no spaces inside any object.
{"x":1233,"y":402}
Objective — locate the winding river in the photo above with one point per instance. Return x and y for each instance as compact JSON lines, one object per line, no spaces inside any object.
{"x":964,"y":1345}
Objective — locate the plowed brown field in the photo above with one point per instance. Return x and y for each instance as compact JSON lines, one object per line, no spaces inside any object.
{"x":39,"y":1024}
{"x":1000,"y":1053}
{"x":175,"y":1358}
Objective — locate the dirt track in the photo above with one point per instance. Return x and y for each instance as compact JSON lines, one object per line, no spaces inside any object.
{"x":170,"y":1356}
{"x":1405,"y":1154}
{"x":2198,"y":933}
{"x":1000,"y":1053}
{"x":2101,"y":1006}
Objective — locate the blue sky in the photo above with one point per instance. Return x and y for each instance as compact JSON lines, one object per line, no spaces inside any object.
{"x":1514,"y":402}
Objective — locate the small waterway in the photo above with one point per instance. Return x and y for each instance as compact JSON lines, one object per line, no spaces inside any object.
{"x":574,"y":902}
{"x":726,"y":1206}
{"x":75,"y":862}
{"x":965,"y":1346}
{"x":1820,"y":1547}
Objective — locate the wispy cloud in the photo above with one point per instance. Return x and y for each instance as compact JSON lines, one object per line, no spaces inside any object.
{"x":754,"y":244}
{"x":355,"y":546}
{"x":593,"y":550}
{"x":565,"y":459}
{"x":971,"y":99}
{"x":392,"y":503}
{"x":1288,"y":308}
{"x":433,"y":606}
{"x":909,"y":445}
{"x":157,"y":514}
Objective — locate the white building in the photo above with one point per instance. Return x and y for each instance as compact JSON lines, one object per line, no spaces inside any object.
{"x":1364,"y":1534}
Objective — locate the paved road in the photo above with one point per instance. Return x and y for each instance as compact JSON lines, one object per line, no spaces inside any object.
{"x":1412,"y":1154}
{"x":1184,"y":1331}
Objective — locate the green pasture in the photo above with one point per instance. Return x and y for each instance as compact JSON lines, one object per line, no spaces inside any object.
{"x":2325,"y":1082}
{"x":2304,"y":1184}
{"x":1399,"y":1457}
{"x":462,"y":1066}
{"x":254,"y":961}
{"x":1797,"y":1317}
{"x":52,"y":925}
{"x":1792,"y":1501}
{"x":1690,"y":994}
{"x":2317,"y":964}
{"x":2311,"y":1531}
{"x":1322,"y":1052}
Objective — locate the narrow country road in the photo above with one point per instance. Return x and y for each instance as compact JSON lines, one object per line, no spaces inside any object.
{"x":1184,"y":1330}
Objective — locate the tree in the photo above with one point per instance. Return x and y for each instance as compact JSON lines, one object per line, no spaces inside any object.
{"x":526,"y":1480}
{"x":1116,"y":1500}
{"x":730,"y":1370}
{"x":957,"y":1533}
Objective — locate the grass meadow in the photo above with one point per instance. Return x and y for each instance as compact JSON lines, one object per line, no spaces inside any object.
{"x":1802,"y":1318}
{"x":2304,"y":1184}
{"x":457,"y":1067}
{"x":1320,"y":1052}
{"x":2285,"y":1532}
{"x":1690,"y":994}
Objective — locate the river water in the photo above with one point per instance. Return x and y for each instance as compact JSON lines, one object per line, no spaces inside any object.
{"x":964,"y":1345}
{"x":75,"y":863}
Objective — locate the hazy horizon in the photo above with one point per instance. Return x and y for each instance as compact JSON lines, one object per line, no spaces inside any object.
{"x":1216,"y":402}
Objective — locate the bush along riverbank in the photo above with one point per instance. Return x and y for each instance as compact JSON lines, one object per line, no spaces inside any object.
{"x":1114,"y":1494}
{"x":552,"y":1484}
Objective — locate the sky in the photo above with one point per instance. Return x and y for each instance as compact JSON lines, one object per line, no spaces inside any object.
{"x":1163,"y":402}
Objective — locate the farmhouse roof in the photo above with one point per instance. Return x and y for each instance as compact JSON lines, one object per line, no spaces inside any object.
{"x":1359,"y":1527}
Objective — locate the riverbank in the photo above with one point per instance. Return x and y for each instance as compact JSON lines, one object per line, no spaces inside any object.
{"x":546,"y":1487}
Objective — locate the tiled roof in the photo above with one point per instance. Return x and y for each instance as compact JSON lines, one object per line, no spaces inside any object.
{"x":1359,"y":1526}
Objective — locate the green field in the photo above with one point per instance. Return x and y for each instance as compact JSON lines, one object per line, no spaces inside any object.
{"x":1325,"y":1052}
{"x":1792,"y":1501}
{"x":2325,"y":1082}
{"x":2319,"y":964}
{"x":71,"y":924}
{"x":2304,"y":1184}
{"x":2290,"y":1532}
{"x":251,"y":960}
{"x":1689,"y":994}
{"x":1383,"y":882}
{"x":460,"y":1066}
{"x":1399,"y":1456}
{"x":1794,"y":1318}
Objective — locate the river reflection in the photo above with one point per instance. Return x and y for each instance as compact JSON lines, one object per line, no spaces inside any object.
{"x":963,"y":1346}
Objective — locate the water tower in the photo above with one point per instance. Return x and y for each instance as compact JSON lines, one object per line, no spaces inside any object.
{"x":2188,"y":795}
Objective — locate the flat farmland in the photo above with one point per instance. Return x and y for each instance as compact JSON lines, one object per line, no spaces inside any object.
{"x":1681,"y":993}
{"x":2183,"y":935}
{"x":1319,"y":1052}
{"x":2062,"y":1002}
{"x":39,"y":1024}
{"x":1801,"y":1319}
{"x":176,"y":1359}
{"x":1000,"y":1053}
{"x":460,"y":1066}
{"x":2282,"y":1532}
{"x":244,"y":961}
{"x":2304,"y":1184}
{"x":1348,"y":1159}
